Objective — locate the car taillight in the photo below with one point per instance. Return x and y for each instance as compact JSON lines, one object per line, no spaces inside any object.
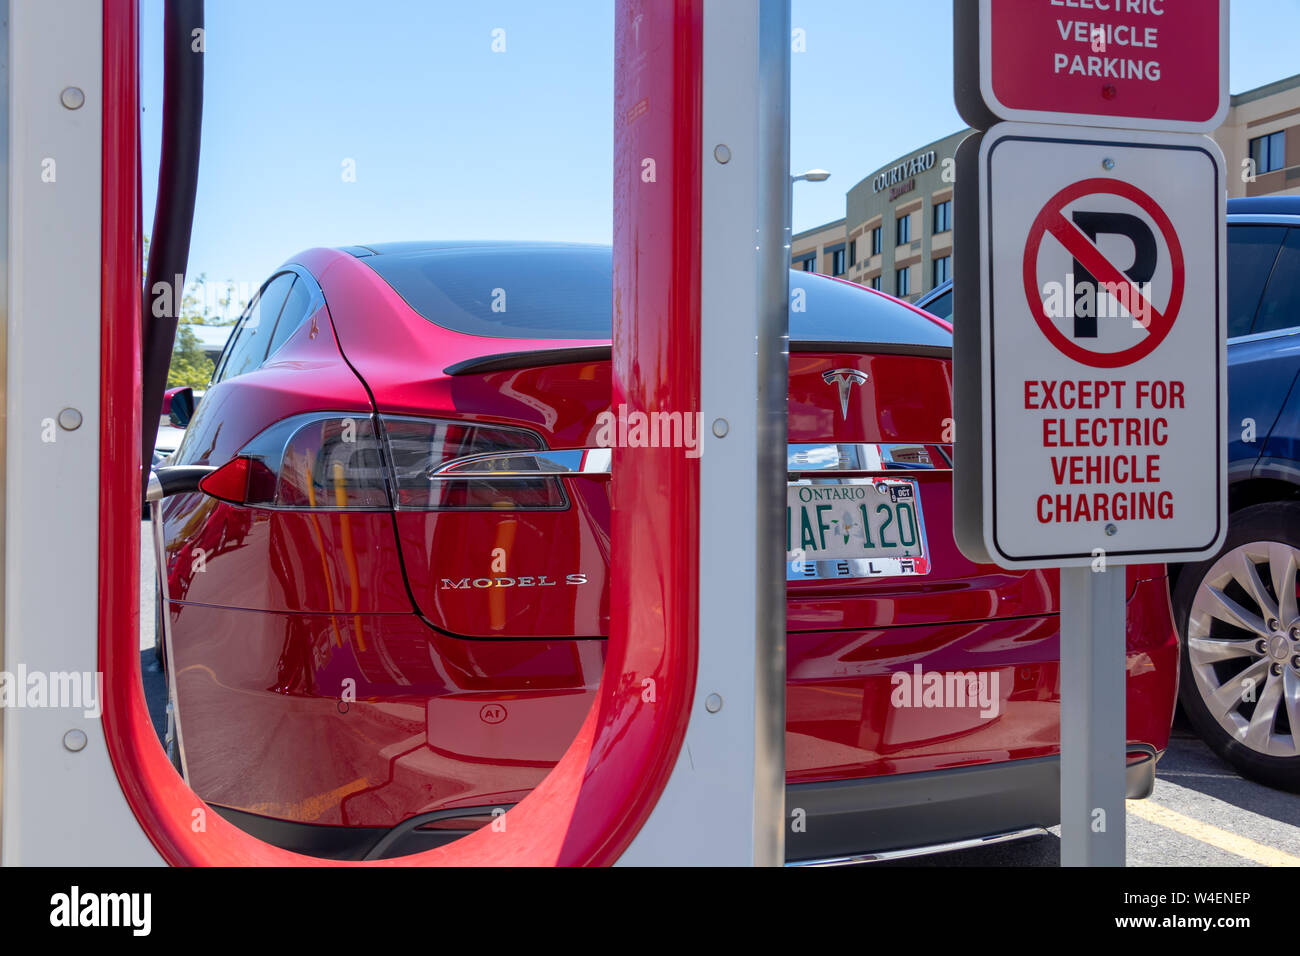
{"x":418,"y":447}
{"x":339,"y":462}
{"x":318,"y":463}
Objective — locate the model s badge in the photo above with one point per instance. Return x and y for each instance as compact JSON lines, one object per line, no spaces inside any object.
{"x":542,"y":581}
{"x":845,"y":378}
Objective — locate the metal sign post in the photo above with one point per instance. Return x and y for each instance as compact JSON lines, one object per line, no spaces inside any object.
{"x":1092,"y":717}
{"x":1090,"y":371}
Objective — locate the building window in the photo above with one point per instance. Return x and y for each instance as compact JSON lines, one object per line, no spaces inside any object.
{"x":877,"y":240}
{"x":837,"y":262}
{"x":1269,"y":152}
{"x":902,"y":282}
{"x":874,"y":282}
{"x":807,"y":264}
{"x":853,"y":253}
{"x":942,"y":270}
{"x":904,"y":227}
{"x":943,"y":216}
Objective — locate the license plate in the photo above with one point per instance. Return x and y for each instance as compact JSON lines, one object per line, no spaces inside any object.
{"x":854,"y":528}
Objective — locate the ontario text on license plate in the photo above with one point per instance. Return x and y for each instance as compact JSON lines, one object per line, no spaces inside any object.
{"x":854,"y":528}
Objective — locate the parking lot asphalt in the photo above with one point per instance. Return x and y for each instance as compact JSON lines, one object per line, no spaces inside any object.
{"x":1202,"y":813}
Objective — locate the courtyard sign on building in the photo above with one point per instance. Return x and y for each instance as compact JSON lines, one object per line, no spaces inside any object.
{"x":903,"y":171}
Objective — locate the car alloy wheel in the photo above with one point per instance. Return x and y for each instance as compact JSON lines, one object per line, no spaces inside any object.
{"x":1241,"y":656}
{"x":1238,"y":620}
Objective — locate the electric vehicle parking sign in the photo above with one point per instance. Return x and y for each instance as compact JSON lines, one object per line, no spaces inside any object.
{"x":1133,"y":64}
{"x":1096,"y":416}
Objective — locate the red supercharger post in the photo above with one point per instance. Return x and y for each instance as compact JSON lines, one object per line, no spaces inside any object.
{"x":701,"y":284}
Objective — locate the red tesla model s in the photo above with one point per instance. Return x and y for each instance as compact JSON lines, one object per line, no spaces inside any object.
{"x":388,"y":624}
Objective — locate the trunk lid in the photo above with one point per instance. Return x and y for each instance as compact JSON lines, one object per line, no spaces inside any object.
{"x":541,"y":573}
{"x":895,"y":424}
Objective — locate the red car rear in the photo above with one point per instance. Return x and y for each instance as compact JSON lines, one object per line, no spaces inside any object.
{"x":369,"y":656}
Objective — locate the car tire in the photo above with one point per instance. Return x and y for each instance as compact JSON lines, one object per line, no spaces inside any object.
{"x":1240,"y":646}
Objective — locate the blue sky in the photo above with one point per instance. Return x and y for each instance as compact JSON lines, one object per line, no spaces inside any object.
{"x":452,"y":140}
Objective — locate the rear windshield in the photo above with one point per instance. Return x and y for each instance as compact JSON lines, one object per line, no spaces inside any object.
{"x":826,"y":310}
{"x":566,"y":292}
{"x":539,"y":292}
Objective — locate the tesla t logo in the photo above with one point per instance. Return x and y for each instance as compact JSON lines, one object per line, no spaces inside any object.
{"x":845,"y":379}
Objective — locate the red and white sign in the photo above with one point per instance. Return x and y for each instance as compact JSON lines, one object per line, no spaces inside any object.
{"x":1148,"y":64}
{"x":1103,"y":386}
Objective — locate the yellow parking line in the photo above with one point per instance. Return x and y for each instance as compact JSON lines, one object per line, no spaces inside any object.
{"x":1222,"y":839}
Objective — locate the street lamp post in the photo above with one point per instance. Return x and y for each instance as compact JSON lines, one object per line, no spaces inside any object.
{"x":809,"y":176}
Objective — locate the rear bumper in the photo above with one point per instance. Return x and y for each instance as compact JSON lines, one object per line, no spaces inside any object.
{"x":845,"y":821}
{"x":907,"y":814}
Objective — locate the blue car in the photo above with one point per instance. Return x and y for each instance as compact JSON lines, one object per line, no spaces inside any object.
{"x":1236,"y":612}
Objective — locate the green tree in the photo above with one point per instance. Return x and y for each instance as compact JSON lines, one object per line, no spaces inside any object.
{"x":194,"y":303}
{"x":190,"y":366}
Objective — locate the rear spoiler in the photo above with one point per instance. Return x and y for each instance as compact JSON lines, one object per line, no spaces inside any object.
{"x":503,"y":361}
{"x":530,"y":359}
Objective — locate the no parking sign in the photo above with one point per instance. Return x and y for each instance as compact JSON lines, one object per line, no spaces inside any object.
{"x":1078,"y":230}
{"x":1093,"y":405}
